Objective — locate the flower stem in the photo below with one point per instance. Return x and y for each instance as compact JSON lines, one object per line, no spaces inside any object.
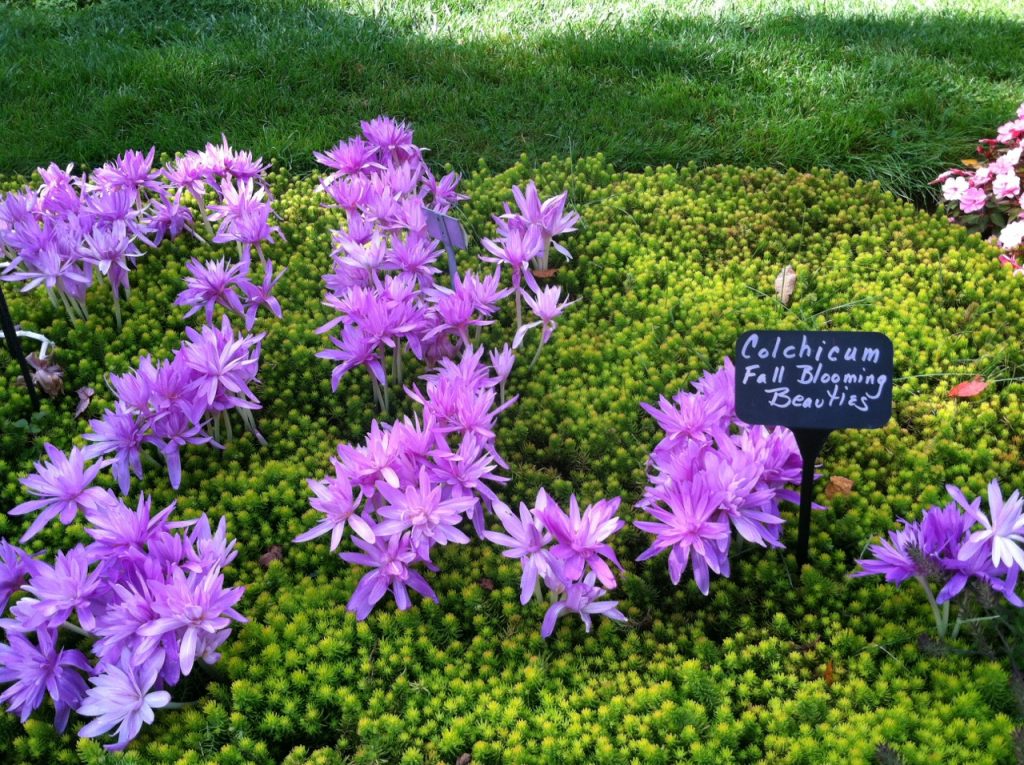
{"x":941,"y":622}
{"x":519,"y":309}
{"x":172,"y":705}
{"x":537,"y":354}
{"x":117,"y":305}
{"x":74,"y":628}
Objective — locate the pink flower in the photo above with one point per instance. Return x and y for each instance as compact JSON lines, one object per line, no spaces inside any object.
{"x":1010,"y":238}
{"x":1006,"y":186}
{"x":953,"y":188}
{"x":973,"y":200}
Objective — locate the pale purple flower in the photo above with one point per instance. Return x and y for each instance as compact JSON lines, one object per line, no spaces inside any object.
{"x":120,"y":533}
{"x":16,"y":566}
{"x":190,"y":605}
{"x":63,"y":485}
{"x":259,"y":295}
{"x":223,"y":365}
{"x":352,"y":157}
{"x":580,"y":539}
{"x":169,"y":218}
{"x":132,"y":171}
{"x":122,"y":695}
{"x":333,"y":497}
{"x":69,"y":586}
{"x":583,"y":598}
{"x":121,"y":433}
{"x":549,"y":216}
{"x":213,"y":283}
{"x":527,"y":540}
{"x":33,"y":670}
{"x":391,"y":559}
{"x":892,"y":557}
{"x":545,"y":306}
{"x":686,"y":525}
{"x":421,"y":509}
{"x":391,"y":138}
{"x":1003,"y":528}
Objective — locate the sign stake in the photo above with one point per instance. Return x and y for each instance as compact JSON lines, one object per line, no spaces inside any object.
{"x":813,"y":383}
{"x":810,"y":442}
{"x":14,"y":344}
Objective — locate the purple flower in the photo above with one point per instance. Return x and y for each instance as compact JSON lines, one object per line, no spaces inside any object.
{"x":546,"y":308}
{"x":583,"y":598}
{"x":581,"y":539}
{"x":120,"y":533}
{"x":109,"y":248}
{"x":192,"y":606}
{"x":223,"y":365}
{"x":421,"y":509}
{"x":686,"y":526}
{"x":1003,"y":529}
{"x":132,"y":171}
{"x":259,"y":295}
{"x":892,"y":557}
{"x":391,"y":138}
{"x":121,"y":433}
{"x":391,"y":559}
{"x":35,"y":670}
{"x":123,"y":696}
{"x":169,"y":218}
{"x":333,"y":498}
{"x":352,"y":157}
{"x":548,"y":216}
{"x":213,"y":283}
{"x":16,"y":566}
{"x":527,"y":540}
{"x":62,"y":589}
{"x":244,"y":216}
{"x":64,"y":487}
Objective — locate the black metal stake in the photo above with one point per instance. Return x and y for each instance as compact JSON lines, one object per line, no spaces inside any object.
{"x":810,"y":443}
{"x":14,"y":343}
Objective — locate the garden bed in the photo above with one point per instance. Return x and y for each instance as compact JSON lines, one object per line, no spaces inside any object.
{"x":670,"y":267}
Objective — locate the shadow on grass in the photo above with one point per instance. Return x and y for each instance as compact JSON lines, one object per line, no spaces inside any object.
{"x":888,"y":98}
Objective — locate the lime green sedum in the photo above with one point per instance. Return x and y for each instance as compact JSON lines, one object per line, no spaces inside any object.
{"x":671,"y":266}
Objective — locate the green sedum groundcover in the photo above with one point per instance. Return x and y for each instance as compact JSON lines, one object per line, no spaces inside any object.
{"x":671,"y":265}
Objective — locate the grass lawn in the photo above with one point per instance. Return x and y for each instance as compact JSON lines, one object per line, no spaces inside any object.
{"x":893,"y":90}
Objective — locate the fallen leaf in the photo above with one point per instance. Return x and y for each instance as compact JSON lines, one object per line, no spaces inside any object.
{"x":486,"y":584}
{"x":785,"y":284}
{"x":830,"y":673}
{"x":838,"y":486}
{"x":47,"y":375}
{"x":968,"y":389}
{"x":274,"y":553}
{"x":544,"y":273}
{"x":970,"y":162}
{"x":84,"y":397}
{"x":464,"y":759}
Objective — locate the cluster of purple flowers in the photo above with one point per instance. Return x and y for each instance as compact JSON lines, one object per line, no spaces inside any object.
{"x":59,"y":235}
{"x":382,"y":282}
{"x":145,"y":597}
{"x":412,"y":482}
{"x":569,"y":554}
{"x":171,"y":403}
{"x":241,"y":208}
{"x":954,"y":546}
{"x":712,"y":474}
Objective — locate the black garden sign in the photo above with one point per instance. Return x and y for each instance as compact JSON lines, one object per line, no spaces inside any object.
{"x":813,"y":383}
